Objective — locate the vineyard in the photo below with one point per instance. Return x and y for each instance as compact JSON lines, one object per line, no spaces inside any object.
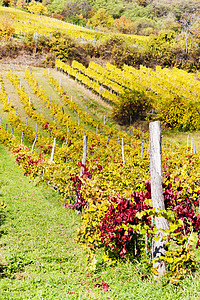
{"x":42,"y":25}
{"x":163,"y":88}
{"x":58,"y":125}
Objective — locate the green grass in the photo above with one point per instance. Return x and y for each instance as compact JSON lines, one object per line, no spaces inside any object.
{"x":39,"y":259}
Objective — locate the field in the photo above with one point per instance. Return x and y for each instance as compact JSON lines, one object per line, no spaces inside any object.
{"x":40,"y":259}
{"x":76,"y":210}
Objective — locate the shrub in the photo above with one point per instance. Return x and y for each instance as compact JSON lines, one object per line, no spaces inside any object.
{"x":180,"y":114}
{"x":133,"y":104}
{"x":37,"y":8}
{"x":6,"y":26}
{"x":9,"y":49}
{"x":66,"y":49}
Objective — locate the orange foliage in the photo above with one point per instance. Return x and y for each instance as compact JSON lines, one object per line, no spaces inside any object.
{"x":123,"y":25}
{"x":21,"y":4}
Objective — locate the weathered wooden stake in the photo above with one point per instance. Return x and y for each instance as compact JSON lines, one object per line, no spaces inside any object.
{"x":107,"y":144}
{"x":188,"y":142}
{"x":53,"y":149}
{"x":84,"y":158}
{"x":104,"y":119}
{"x":22,"y":138}
{"x":191,"y":145}
{"x":12,"y":132}
{"x":157,"y":194}
{"x":97,"y":129}
{"x":26,"y":121}
{"x":123,"y":158}
{"x":142,"y":150}
{"x":199,"y":204}
{"x":33,"y":146}
{"x":67,"y":134}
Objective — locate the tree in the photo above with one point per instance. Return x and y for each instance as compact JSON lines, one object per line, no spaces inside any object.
{"x":133,"y":106}
{"x":37,"y":8}
{"x":6,"y":26}
{"x":8,"y":3}
{"x":123,"y":25}
{"x":102,"y":19}
{"x":21,"y":4}
{"x":187,"y":23}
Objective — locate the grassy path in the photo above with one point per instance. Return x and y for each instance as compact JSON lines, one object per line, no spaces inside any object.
{"x":39,"y":259}
{"x":36,"y":245}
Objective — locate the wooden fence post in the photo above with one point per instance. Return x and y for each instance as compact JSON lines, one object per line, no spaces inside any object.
{"x":107,"y":144}
{"x":123,"y":158}
{"x":33,"y":146}
{"x":191,"y":145}
{"x":22,"y":138}
{"x":67,"y":134}
{"x":157,"y":194}
{"x":53,"y":149}
{"x":84,"y":155}
{"x":142,"y":150}
{"x":187,"y":142}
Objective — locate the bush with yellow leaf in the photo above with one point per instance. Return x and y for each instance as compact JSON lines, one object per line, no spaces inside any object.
{"x":7,"y":26}
{"x":37,"y":8}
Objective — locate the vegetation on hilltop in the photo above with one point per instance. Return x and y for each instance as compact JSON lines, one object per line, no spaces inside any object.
{"x":173,"y":29}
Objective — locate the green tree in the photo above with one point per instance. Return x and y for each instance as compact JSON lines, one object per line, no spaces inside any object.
{"x":102,"y":19}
